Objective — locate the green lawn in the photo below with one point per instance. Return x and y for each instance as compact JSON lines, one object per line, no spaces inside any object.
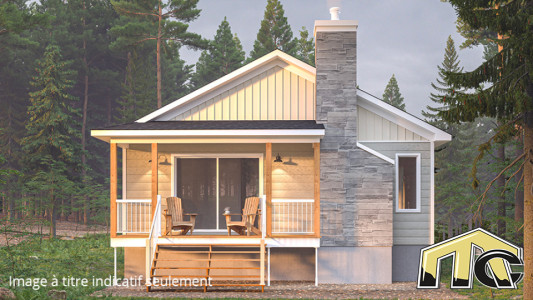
{"x":86,"y":257}
{"x":479,"y":291}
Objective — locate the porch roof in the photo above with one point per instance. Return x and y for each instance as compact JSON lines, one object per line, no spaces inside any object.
{"x":217,"y":125}
{"x":295,"y":131}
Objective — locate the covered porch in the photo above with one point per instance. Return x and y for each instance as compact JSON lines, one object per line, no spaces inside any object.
{"x":212,"y":169}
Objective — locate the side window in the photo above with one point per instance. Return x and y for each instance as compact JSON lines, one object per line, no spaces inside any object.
{"x":408,"y":182}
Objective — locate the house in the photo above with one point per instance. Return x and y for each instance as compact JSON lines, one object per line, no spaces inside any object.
{"x":346,"y":181}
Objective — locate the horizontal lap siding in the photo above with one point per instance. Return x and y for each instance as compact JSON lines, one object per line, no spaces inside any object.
{"x":292,"y":179}
{"x":411,"y":228}
{"x":276,"y":94}
{"x":376,"y":128}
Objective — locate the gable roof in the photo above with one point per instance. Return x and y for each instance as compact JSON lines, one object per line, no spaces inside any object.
{"x":402,"y":118}
{"x":165,"y":113}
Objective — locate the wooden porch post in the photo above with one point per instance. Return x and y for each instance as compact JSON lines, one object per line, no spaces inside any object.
{"x":268,"y":188}
{"x":113,"y":187}
{"x":316,"y":171}
{"x":154,"y":179}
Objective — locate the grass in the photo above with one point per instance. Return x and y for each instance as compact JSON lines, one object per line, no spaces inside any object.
{"x":86,"y":257}
{"x":478,"y":290}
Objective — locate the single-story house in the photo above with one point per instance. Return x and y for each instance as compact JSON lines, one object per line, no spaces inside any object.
{"x":345,"y":181}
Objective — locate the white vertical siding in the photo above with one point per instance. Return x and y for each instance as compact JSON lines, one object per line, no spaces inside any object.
{"x":276,"y":94}
{"x":372,"y":127}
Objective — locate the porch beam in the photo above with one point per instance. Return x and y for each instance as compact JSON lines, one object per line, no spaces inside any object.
{"x":113,"y":187}
{"x":154,"y":179}
{"x":316,"y":171}
{"x":268,"y":188}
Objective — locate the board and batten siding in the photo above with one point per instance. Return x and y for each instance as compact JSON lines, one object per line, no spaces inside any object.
{"x":276,"y":94}
{"x":411,"y":228}
{"x":372,"y":127}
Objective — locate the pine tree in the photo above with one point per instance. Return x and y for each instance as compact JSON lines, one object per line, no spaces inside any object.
{"x":159,"y":22}
{"x":442,"y":88}
{"x":52,"y":141}
{"x":392,"y":94}
{"x":224,"y":55}
{"x":508,"y":97}
{"x":275,"y":32}
{"x":305,"y":48}
{"x":17,"y":54}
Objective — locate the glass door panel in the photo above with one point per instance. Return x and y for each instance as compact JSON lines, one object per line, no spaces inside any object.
{"x":196,"y":186}
{"x":238,"y":179}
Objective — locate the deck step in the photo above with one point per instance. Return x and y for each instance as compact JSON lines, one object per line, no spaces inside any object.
{"x":201,"y":258}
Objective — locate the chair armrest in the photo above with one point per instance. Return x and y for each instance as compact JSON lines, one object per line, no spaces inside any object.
{"x":232,"y":214}
{"x":165,"y":212}
{"x":190,"y":214}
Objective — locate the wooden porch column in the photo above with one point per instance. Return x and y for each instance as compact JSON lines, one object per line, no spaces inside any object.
{"x":154,"y":179}
{"x":113,"y":187}
{"x":268,"y":188}
{"x":316,"y":171}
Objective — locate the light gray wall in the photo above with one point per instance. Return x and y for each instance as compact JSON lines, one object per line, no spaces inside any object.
{"x":410,"y":228}
{"x":359,"y":265}
{"x":405,"y":261}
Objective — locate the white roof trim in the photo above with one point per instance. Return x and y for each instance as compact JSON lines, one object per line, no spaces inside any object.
{"x":276,"y":54}
{"x":376,"y":153}
{"x":218,"y":133}
{"x":402,"y":118}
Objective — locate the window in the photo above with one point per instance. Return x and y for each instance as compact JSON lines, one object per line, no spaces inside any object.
{"x":207,"y":183}
{"x":408,"y":182}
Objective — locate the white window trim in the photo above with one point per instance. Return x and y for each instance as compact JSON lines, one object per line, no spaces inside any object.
{"x":418,"y":182}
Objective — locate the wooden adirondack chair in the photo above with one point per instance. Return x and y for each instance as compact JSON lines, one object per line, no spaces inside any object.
{"x":246,"y":224}
{"x":174,"y":217}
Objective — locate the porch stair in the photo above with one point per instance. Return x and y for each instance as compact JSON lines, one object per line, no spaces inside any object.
{"x":221,"y":265}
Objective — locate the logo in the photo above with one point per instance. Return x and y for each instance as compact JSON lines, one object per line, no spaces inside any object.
{"x":492,"y":268}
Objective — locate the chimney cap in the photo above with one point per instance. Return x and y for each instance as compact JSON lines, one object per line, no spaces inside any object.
{"x":335,"y":25}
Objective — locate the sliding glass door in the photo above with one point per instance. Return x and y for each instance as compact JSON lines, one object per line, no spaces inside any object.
{"x":208,"y":185}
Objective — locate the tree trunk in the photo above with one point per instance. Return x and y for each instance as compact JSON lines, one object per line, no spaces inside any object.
{"x":84,"y":125}
{"x":52,"y":214}
{"x":158,"y":54}
{"x":519,"y":195}
{"x":528,"y":206}
{"x":500,"y":154}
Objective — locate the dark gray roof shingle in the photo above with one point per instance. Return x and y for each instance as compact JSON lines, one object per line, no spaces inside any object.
{"x":216,"y":125}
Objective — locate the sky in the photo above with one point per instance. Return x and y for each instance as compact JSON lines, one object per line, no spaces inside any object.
{"x":406,"y":38}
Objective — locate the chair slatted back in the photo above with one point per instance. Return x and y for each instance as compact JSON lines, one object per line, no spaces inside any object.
{"x":250,"y":207}
{"x":175,"y":209}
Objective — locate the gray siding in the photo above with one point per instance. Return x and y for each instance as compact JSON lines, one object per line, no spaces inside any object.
{"x":410,"y":228}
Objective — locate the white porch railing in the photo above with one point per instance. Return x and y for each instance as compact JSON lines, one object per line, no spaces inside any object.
{"x":292,"y":216}
{"x":155,"y":233}
{"x":133,"y":216}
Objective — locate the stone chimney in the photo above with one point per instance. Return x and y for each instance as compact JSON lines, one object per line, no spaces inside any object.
{"x":336,"y":83}
{"x":355,"y":186}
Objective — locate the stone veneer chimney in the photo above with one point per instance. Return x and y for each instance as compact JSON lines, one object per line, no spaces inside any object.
{"x":355,"y":186}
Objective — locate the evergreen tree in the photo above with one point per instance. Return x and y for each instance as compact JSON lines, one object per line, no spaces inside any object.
{"x":274,"y":33}
{"x":442,"y":88}
{"x":158,"y":22}
{"x":223,"y":56}
{"x":17,"y":54}
{"x":52,"y":141}
{"x":508,"y":97}
{"x":305,"y":48}
{"x":392,"y":94}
